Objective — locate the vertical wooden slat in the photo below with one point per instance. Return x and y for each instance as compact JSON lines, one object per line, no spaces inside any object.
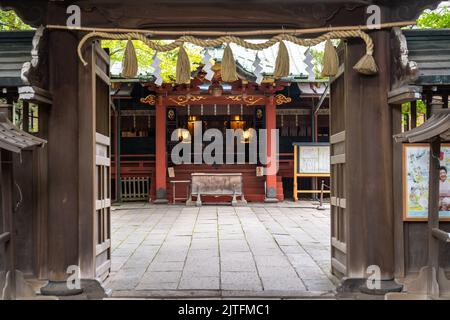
{"x":88,"y":185}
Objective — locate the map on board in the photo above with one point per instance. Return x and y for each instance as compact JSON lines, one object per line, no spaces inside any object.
{"x":314,"y":160}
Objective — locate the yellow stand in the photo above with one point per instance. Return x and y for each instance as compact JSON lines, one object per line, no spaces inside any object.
{"x":305,"y":175}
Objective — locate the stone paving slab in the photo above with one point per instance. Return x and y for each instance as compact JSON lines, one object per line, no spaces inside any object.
{"x":260,"y":250}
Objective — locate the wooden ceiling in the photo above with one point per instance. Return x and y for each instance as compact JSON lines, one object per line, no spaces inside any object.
{"x":223,"y":15}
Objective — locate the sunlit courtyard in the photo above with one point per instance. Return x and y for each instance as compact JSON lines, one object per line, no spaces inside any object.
{"x":280,"y":251}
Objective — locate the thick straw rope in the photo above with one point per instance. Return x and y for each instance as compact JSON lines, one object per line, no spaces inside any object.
{"x":226,"y":39}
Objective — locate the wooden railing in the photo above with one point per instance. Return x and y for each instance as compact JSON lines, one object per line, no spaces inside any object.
{"x":135,"y":188}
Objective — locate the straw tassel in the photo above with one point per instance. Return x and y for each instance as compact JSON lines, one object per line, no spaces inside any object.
{"x":282,"y":63}
{"x":330,"y":60}
{"x":130,"y":64}
{"x":228,"y":66}
{"x":183,"y":74}
{"x":367,"y":65}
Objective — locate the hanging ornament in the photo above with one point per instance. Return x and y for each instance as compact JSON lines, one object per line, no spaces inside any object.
{"x":331,"y":60}
{"x":157,"y":69}
{"x":257,"y":70}
{"x":282,"y":62}
{"x":130,"y":64}
{"x":183,"y":70}
{"x":228,"y":69}
{"x":309,"y":65}
{"x":208,"y":66}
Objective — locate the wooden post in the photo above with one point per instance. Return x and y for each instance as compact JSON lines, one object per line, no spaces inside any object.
{"x":63,"y":151}
{"x":88,"y":190}
{"x":161,"y":152}
{"x":118,"y":152}
{"x":271,"y":177}
{"x":295,"y":173}
{"x":429,"y":105}
{"x":433,"y":207}
{"x":26,"y":116}
{"x":445,"y":101}
{"x":41,"y":217}
{"x":413,"y":114}
{"x":399,"y":225}
{"x":369,"y":162}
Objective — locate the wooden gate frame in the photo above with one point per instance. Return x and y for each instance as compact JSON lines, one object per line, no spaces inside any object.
{"x":94,"y":168}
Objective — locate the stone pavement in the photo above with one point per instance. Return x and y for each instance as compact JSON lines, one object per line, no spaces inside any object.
{"x":259,"y":250}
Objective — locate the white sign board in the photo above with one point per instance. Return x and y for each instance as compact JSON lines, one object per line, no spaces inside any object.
{"x":314,"y":160}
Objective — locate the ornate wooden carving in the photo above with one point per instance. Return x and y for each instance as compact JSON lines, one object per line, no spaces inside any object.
{"x":35,"y":72}
{"x":403,"y":70}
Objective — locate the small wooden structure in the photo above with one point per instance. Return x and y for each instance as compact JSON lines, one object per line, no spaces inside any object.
{"x":432,"y":281}
{"x":12,"y":140}
{"x":217,"y":185}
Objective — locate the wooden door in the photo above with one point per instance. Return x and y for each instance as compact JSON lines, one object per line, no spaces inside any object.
{"x":94,"y":169}
{"x":102,"y":217}
{"x":338,"y":167}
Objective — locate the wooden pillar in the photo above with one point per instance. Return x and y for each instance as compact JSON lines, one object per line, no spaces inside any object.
{"x":161,"y":152}
{"x":433,"y":205}
{"x":41,"y":216}
{"x":271,"y":167}
{"x":369,"y":162}
{"x":413,"y":114}
{"x":429,"y":105}
{"x":26,"y":116}
{"x":63,"y":155}
{"x":399,"y":241}
{"x":445,"y":101}
{"x":118,"y":152}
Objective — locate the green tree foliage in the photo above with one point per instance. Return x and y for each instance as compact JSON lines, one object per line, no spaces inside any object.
{"x":317,"y":55}
{"x":9,"y":21}
{"x":145,"y":57}
{"x":437,"y":19}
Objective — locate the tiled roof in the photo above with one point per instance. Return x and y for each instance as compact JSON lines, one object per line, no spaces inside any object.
{"x":437,"y":125}
{"x":15,"y":50}
{"x":430,"y":49}
{"x":15,"y":140}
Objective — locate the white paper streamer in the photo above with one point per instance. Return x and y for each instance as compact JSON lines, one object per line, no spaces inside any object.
{"x":157,"y":69}
{"x":309,"y":65}
{"x":207,"y":67}
{"x":257,"y":68}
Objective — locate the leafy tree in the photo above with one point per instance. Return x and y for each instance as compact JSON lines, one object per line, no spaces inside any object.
{"x":317,"y":55}
{"x":437,"y":19}
{"x":145,"y":58}
{"x":9,"y":21}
